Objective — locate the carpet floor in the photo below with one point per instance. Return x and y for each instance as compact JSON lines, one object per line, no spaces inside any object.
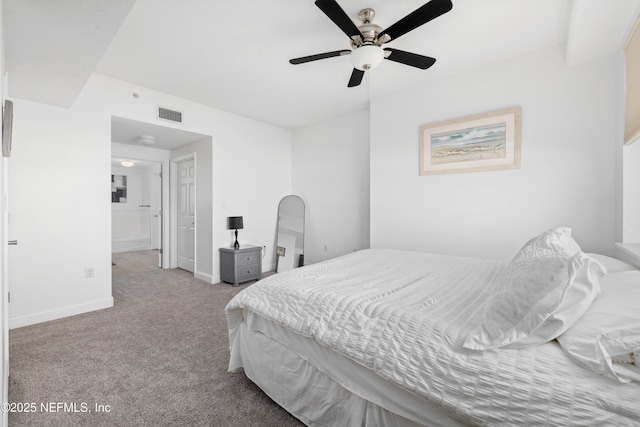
{"x":158,"y":357}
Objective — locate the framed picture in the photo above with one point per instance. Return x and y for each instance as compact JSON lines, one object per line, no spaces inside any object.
{"x":483,"y":142}
{"x":118,"y":189}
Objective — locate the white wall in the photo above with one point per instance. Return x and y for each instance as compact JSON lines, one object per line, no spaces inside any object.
{"x":331,"y":174}
{"x":251,"y":174}
{"x":569,"y":132}
{"x":4,"y":308}
{"x":59,"y":212}
{"x":60,"y":190}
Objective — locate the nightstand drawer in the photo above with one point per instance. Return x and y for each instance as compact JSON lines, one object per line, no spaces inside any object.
{"x":248,"y":258}
{"x":248,"y":272}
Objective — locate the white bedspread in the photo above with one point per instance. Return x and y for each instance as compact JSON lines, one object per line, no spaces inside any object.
{"x":404,"y":316}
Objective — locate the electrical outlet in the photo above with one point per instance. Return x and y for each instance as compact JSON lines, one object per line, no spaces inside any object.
{"x":89,"y":272}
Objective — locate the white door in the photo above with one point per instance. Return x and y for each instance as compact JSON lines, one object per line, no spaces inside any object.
{"x":186,"y":214}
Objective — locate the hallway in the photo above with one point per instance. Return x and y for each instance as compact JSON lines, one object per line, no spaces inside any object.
{"x":134,"y":262}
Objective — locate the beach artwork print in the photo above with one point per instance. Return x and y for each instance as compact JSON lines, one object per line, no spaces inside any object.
{"x":488,"y":141}
{"x":484,"y":142}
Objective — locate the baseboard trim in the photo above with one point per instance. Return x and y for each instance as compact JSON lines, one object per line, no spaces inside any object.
{"x":45,"y":316}
{"x":204,"y":276}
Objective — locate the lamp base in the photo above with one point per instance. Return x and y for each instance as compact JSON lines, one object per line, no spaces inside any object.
{"x":236,"y":245}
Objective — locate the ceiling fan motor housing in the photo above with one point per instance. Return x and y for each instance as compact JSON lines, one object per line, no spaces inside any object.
{"x":367,"y":53}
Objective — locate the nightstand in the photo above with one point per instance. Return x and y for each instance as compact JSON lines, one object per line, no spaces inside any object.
{"x":240,"y":265}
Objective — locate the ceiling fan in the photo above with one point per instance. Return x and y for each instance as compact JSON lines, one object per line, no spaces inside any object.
{"x":366,"y":40}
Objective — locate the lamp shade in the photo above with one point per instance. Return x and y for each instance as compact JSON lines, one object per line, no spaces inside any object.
{"x":234,"y":223}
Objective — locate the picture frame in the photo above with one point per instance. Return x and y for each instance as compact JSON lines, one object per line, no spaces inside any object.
{"x":482,"y":142}
{"x":118,"y":189}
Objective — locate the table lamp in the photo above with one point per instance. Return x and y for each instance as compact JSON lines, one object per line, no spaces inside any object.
{"x":235,"y":222}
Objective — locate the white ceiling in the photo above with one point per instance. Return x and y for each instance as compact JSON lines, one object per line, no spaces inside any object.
{"x":234,"y":55}
{"x":126,"y":131}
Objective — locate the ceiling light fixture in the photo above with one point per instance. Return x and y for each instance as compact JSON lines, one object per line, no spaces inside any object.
{"x":367,"y":57}
{"x":147,"y":139}
{"x":127,"y":163}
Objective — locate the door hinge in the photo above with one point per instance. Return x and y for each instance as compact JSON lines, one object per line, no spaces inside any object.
{"x":9,"y":297}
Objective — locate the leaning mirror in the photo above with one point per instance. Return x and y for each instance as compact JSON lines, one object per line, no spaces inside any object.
{"x":290,"y":239}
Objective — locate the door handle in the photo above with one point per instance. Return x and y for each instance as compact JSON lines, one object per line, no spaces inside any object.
{"x":12,"y":242}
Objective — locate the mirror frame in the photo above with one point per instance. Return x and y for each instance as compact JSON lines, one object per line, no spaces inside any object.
{"x":280,"y":248}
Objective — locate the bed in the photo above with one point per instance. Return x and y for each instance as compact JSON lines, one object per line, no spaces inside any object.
{"x":401,"y":338}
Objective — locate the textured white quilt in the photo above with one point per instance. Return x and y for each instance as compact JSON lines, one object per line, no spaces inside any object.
{"x":404,"y":315}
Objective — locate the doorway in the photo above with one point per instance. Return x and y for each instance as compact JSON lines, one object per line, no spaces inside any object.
{"x":131,"y":139}
{"x":137,"y":205}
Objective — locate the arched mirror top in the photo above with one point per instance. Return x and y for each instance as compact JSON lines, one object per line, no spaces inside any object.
{"x":292,"y":206}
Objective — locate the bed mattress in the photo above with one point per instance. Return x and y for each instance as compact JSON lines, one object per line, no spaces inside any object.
{"x":394,"y":321}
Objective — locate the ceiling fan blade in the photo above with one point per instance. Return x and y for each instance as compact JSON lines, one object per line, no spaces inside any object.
{"x":408,"y":58}
{"x":339,"y":17}
{"x":319,"y":56}
{"x":418,"y":17}
{"x":356,"y":77}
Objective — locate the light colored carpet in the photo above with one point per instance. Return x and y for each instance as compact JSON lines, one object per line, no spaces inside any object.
{"x":158,"y":358}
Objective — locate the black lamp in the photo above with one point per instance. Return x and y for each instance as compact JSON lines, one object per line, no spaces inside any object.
{"x":235,"y":222}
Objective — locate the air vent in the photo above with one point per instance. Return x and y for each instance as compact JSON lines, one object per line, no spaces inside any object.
{"x":171,"y":115}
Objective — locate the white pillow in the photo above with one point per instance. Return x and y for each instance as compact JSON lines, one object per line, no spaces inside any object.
{"x":609,"y":330}
{"x":548,"y":285}
{"x":555,"y":242}
{"x":612,"y":265}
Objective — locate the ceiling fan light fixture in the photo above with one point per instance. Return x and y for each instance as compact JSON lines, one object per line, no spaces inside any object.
{"x":367,"y":57}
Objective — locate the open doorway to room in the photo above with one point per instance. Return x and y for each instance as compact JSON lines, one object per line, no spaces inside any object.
{"x":136,"y":215}
{"x":144,"y":195}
